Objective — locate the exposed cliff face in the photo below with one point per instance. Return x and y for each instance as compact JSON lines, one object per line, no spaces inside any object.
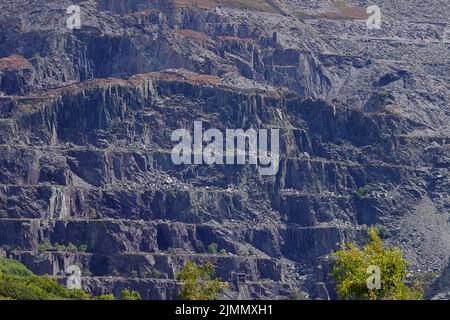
{"x":85,"y":139}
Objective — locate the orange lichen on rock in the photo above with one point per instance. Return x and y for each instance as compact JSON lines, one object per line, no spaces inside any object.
{"x":80,"y":86}
{"x":193,"y":35}
{"x":181,"y":75}
{"x":14,"y":61}
{"x":197,"y":3}
{"x":231,"y":38}
{"x":354,"y":13}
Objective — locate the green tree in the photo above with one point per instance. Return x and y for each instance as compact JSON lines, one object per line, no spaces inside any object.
{"x":126,"y":294}
{"x":197,"y":282}
{"x":351,"y":272}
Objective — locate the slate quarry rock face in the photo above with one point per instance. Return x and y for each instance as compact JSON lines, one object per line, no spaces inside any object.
{"x":86,"y":118}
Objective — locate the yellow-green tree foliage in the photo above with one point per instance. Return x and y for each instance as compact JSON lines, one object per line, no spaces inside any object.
{"x":130,"y":295}
{"x":350,"y":272}
{"x":197,"y":282}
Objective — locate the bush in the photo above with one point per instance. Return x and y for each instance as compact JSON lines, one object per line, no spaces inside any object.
{"x":223,"y":251}
{"x":93,"y":214}
{"x":71,"y":248}
{"x":44,"y":246}
{"x":197,"y":282}
{"x":130,"y":295}
{"x":351,"y":272}
{"x":156,"y":273}
{"x":362,"y":192}
{"x":212,"y":248}
{"x":83,"y":248}
{"x":134,"y":274}
{"x":115,"y":273}
{"x":383,"y":233}
{"x":87,"y":273}
{"x":61,"y":248}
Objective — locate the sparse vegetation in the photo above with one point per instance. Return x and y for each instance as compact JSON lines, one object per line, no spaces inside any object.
{"x":198,"y":283}
{"x":37,"y":58}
